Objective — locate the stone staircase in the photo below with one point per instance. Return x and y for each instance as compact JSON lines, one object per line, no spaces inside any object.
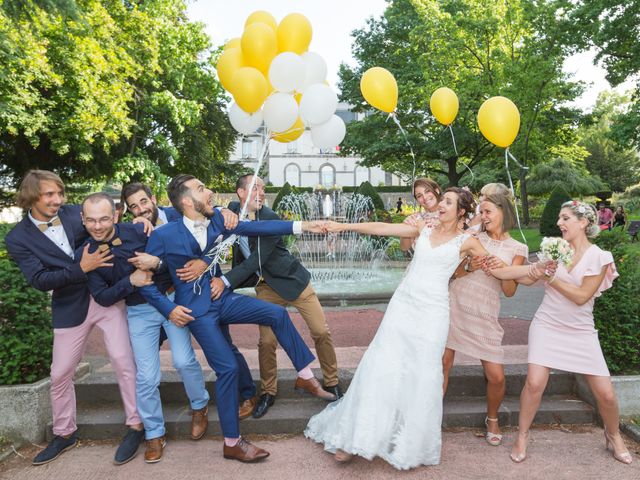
{"x":100,"y":414}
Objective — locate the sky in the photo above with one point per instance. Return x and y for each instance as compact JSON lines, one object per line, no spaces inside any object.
{"x":334,"y":20}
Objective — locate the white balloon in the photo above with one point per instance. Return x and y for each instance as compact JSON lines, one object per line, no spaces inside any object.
{"x":286,"y":72}
{"x":315,"y":69}
{"x":245,"y":123}
{"x":329,"y":134}
{"x":317,"y":105}
{"x":280,"y":112}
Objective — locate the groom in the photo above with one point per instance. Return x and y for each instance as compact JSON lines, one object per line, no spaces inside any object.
{"x":176,"y":243}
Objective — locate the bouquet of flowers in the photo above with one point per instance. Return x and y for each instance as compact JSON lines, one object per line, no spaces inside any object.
{"x":556,"y":249}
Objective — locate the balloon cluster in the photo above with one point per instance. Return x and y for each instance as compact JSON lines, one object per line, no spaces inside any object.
{"x":275,"y":79}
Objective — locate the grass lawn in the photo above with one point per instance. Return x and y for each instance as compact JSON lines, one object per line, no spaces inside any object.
{"x":532,"y":235}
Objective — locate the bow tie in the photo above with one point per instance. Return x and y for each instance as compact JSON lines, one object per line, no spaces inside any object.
{"x":53,"y":223}
{"x":107,"y":245}
{"x":198,"y":225}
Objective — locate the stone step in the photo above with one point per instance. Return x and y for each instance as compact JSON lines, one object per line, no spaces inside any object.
{"x":290,"y":416}
{"x":465,"y":381}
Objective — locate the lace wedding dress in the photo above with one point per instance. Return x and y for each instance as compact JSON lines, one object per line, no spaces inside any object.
{"x":393,"y":407}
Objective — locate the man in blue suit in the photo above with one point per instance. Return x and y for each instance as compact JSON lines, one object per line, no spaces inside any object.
{"x":141,"y":202}
{"x":43,"y":245}
{"x":201,"y":228}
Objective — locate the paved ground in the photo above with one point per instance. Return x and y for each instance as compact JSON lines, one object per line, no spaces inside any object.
{"x":555,"y":453}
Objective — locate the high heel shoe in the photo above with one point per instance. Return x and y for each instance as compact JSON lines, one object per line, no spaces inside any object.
{"x":609,"y":445}
{"x":494,"y":439}
{"x":520,"y":457}
{"x":342,"y":456}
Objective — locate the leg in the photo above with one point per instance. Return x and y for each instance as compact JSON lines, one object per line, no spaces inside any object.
{"x":605,"y":395}
{"x":537,"y":378}
{"x":144,"y":331}
{"x":267,"y":344}
{"x":113,"y":323}
{"x":494,"y":372}
{"x":309,"y":307}
{"x":447,"y":364}
{"x":186,"y":363}
{"x":220,"y":357}
{"x":246,"y":387}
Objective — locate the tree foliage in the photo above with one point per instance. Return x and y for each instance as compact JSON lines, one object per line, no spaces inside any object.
{"x":122,"y":90}
{"x":546,"y":177}
{"x":549,"y":218}
{"x":479,"y":49}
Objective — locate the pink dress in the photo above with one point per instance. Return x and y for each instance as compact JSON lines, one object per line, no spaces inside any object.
{"x":562,"y":334}
{"x":474,"y":303}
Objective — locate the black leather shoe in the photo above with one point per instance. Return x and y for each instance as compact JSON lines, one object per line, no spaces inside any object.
{"x":266,"y":401}
{"x":129,"y":446}
{"x":335,"y":389}
{"x":56,"y":447}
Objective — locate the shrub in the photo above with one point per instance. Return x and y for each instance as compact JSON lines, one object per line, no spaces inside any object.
{"x":617,"y":311}
{"x":608,"y":240}
{"x":284,"y":191}
{"x":367,"y":190}
{"x":26,"y":335}
{"x":549,"y":216}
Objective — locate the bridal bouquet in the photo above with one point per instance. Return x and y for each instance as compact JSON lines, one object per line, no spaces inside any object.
{"x":556,"y":249}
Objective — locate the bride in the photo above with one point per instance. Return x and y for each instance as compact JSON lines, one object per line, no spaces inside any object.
{"x":393,"y":408}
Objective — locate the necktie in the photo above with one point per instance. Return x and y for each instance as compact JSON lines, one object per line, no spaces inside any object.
{"x":53,"y":223}
{"x":107,"y":245}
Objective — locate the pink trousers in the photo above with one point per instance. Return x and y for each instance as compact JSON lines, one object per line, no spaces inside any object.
{"x":68,"y":348}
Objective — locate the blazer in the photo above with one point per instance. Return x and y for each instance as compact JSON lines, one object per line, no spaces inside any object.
{"x":280,"y":270}
{"x":175,"y":245}
{"x":109,"y":285}
{"x":46,"y":267}
{"x":171,"y":213}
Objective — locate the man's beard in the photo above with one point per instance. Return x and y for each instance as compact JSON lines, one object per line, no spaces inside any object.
{"x":200,"y":207}
{"x":154,"y":215}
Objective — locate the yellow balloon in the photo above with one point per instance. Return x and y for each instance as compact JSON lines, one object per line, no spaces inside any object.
{"x":250,"y":89}
{"x":444,"y":105}
{"x":499,"y":121}
{"x":259,"y":46}
{"x":292,"y":134}
{"x":294,"y":34}
{"x":379,"y":88}
{"x":298,"y":97}
{"x":260,"y":16}
{"x":229,"y":63}
{"x":233,"y":43}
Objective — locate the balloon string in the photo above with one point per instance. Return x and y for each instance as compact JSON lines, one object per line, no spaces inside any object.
{"x":220,"y":251}
{"x":455,"y":149}
{"x":406,"y":139}
{"x":507,"y":155}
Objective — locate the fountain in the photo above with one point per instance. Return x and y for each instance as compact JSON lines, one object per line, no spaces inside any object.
{"x":344,"y":267}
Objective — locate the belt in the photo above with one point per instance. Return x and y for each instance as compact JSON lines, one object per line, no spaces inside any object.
{"x":170,"y":290}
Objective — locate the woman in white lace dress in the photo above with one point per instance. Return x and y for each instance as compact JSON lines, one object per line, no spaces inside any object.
{"x":393,"y":407}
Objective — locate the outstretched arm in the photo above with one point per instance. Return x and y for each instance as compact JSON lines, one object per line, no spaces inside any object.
{"x":583,"y":293}
{"x":376,"y":228}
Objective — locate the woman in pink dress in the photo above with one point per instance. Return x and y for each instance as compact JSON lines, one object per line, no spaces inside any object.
{"x":562,"y":333}
{"x":474,"y":299}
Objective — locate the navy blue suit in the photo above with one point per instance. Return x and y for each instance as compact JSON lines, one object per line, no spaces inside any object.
{"x":46,"y":267}
{"x":175,"y":245}
{"x":171,"y":213}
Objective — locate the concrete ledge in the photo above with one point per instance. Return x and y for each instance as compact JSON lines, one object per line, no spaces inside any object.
{"x":627,"y":389}
{"x":25,"y":409}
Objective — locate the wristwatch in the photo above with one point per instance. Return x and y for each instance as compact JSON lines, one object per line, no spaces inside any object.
{"x":159,"y":266}
{"x":466,"y":267}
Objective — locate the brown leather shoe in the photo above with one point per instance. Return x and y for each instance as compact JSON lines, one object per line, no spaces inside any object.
{"x":313,"y":387}
{"x":199,"y":423}
{"x":244,"y":451}
{"x":155,"y":446}
{"x":247,"y":407}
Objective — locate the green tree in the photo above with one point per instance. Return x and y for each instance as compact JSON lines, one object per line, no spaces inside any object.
{"x":617,"y":165}
{"x":549,"y":218}
{"x":125,"y":91}
{"x":546,"y":177}
{"x":479,"y":49}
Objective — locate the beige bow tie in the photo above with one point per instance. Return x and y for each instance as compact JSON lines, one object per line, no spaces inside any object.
{"x":53,"y":223}
{"x":159,"y":222}
{"x":107,"y":245}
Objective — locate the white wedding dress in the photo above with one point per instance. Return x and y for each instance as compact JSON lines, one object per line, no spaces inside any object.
{"x":393,"y":407}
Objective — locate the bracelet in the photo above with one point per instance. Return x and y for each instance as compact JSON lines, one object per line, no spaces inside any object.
{"x":549,"y":282}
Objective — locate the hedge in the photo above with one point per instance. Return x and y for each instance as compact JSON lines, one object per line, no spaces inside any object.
{"x":549,"y":218}
{"x":617,"y":310}
{"x":26,"y":336}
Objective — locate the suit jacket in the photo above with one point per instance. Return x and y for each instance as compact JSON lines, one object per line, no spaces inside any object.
{"x":171,"y":213}
{"x":46,"y":267}
{"x":280,"y":270}
{"x":175,"y":245}
{"x":109,"y":285}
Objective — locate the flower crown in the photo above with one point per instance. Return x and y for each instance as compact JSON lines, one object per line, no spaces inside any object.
{"x":584,"y":209}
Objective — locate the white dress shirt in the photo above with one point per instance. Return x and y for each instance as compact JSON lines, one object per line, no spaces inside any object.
{"x":198,"y":229}
{"x":56,"y":234}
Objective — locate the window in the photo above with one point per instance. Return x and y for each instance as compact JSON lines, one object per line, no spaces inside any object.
{"x":327,"y":175}
{"x":248,"y":148}
{"x":292,"y":175}
{"x":292,"y":147}
{"x":360,"y":175}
